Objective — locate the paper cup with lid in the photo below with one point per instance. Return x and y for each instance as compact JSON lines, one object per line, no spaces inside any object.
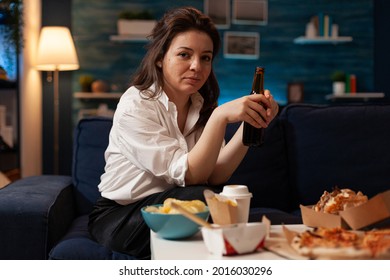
{"x":241,"y":194}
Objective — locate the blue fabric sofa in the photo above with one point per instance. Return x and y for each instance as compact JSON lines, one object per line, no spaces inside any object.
{"x":308,"y":149}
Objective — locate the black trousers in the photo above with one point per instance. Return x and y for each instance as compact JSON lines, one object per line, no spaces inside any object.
{"x":122,"y":228}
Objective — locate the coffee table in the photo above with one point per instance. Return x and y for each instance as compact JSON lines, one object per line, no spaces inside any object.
{"x":194,"y":248}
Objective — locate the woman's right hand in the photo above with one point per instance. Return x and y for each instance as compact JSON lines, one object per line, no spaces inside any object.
{"x":255,"y":109}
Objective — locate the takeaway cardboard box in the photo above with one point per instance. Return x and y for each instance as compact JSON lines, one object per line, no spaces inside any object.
{"x":227,"y":237}
{"x":223,"y":211}
{"x":373,"y":211}
{"x":234,"y":239}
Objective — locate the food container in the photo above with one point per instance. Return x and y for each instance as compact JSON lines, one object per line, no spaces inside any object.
{"x":375,"y":210}
{"x":223,"y":211}
{"x":234,"y":239}
{"x":172,"y":226}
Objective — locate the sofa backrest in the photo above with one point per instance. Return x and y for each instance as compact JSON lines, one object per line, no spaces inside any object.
{"x":90,"y":142}
{"x":264,"y":169}
{"x":337,"y":145}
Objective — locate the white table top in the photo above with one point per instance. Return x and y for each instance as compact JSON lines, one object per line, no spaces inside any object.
{"x":194,"y":248}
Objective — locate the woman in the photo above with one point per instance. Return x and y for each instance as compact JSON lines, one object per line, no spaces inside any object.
{"x":168,"y":134}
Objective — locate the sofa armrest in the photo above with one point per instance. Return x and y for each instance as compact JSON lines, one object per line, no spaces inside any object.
{"x":35,"y":213}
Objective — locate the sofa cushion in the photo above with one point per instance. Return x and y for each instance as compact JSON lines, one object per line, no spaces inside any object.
{"x":264,"y":169}
{"x":333,"y":145}
{"x":35,"y":213}
{"x":77,"y":244}
{"x":90,"y":143}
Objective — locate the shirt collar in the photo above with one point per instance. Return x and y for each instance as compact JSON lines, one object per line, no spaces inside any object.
{"x":193,"y":113}
{"x":163,"y":98}
{"x":196,"y":100}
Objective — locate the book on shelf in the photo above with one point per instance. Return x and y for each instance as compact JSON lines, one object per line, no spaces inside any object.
{"x":324,"y":25}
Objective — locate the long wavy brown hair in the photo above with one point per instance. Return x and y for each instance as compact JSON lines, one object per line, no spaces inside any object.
{"x":174,"y":22}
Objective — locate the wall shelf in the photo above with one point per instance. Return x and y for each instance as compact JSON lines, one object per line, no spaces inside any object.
{"x":128,"y":38}
{"x":322,"y":40}
{"x":99,"y":100}
{"x":364,"y":95}
{"x":97,"y":95}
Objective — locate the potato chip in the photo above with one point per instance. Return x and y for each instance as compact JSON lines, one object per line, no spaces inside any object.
{"x":193,"y":206}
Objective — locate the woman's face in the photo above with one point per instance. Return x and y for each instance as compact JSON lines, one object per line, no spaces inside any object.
{"x":187,"y":63}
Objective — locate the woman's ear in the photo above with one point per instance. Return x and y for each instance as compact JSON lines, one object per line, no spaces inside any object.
{"x":159,"y":64}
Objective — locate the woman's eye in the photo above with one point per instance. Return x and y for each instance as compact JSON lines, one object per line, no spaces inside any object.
{"x":207,"y":58}
{"x":183,"y":54}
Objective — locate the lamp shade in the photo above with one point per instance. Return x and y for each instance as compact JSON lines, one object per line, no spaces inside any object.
{"x":56,"y":50}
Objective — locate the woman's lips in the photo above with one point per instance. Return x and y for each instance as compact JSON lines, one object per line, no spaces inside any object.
{"x":192,"y":80}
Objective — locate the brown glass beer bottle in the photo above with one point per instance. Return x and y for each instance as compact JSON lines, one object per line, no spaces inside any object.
{"x":253,"y":136}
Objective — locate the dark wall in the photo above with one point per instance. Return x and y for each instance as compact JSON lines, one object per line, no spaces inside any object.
{"x":312,"y":64}
{"x":382,"y":46}
{"x":57,"y":13}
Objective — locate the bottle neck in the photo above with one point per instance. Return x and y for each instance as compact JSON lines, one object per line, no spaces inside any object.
{"x":258,"y":83}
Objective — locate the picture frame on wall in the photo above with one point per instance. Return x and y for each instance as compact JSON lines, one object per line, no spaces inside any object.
{"x":243,"y":45}
{"x":295,"y":92}
{"x":253,"y":12}
{"x":219,"y":12}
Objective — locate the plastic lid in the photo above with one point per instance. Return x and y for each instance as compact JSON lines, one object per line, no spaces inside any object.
{"x":236,"y":190}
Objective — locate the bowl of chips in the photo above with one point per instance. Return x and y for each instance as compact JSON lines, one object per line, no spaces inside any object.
{"x":168,"y":223}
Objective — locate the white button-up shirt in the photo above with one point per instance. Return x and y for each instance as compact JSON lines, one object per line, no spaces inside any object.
{"x":147,"y":153}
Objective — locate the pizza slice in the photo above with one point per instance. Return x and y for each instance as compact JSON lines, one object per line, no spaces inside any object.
{"x":333,"y":243}
{"x":378,"y":242}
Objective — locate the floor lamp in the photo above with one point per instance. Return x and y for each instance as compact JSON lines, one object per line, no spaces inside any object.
{"x":56,"y":52}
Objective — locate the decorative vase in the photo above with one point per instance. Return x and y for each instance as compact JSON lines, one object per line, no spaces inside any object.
{"x":135,"y":27}
{"x":338,"y":88}
{"x":100,"y":86}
